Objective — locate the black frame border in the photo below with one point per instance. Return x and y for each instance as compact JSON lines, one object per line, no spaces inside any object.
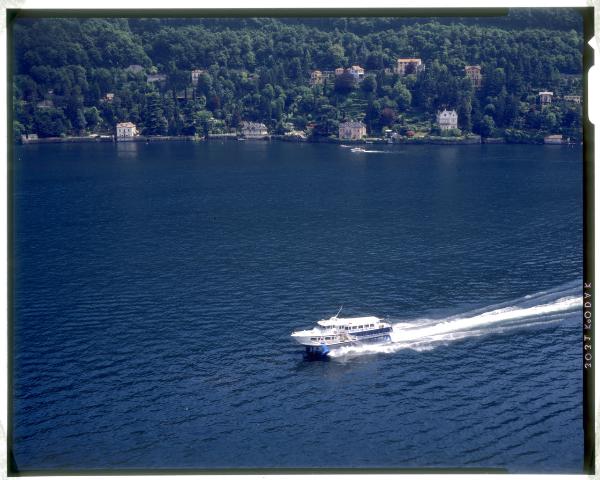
{"x":587,"y":14}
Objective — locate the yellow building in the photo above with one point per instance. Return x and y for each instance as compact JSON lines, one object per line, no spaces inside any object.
{"x":352,"y":131}
{"x":316,"y":77}
{"x":405,"y":66}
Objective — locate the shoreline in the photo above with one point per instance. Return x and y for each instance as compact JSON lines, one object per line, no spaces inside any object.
{"x":429,"y":140}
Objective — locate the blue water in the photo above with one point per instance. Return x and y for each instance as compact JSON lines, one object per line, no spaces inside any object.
{"x":156,"y":286}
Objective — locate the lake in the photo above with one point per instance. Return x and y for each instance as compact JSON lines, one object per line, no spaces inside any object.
{"x":156,"y":285}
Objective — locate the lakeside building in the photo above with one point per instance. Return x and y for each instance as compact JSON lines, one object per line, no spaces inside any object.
{"x":474,"y":74}
{"x":296,"y":134}
{"x":404,"y":66}
{"x":254,"y":130}
{"x":316,"y":77}
{"x":545,"y":97}
{"x":572,"y":98}
{"x":553,"y":139}
{"x":109,"y":97}
{"x":156,"y":78}
{"x":339,"y":71}
{"x":126,"y":131}
{"x":29,"y":136}
{"x":352,"y":130}
{"x":196,"y":75}
{"x":447,"y":119}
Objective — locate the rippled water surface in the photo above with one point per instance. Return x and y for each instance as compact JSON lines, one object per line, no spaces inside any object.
{"x":156,"y":286}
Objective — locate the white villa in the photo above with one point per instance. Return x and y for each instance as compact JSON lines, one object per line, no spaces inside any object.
{"x":196,"y":75}
{"x":254,"y":130}
{"x":352,"y":131}
{"x":447,"y":119}
{"x":545,"y":97}
{"x":357,"y":72}
{"x":126,"y":131}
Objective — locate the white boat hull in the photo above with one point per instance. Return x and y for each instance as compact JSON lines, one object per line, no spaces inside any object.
{"x":336,"y":333}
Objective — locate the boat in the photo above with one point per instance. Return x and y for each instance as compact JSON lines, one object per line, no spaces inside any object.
{"x":358,"y":149}
{"x":345,"y":146}
{"x":336,"y":332}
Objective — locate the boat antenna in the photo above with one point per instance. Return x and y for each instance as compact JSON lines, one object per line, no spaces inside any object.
{"x":336,"y":315}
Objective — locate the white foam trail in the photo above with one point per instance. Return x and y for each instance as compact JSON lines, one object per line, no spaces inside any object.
{"x":426,"y":334}
{"x":371,"y":151}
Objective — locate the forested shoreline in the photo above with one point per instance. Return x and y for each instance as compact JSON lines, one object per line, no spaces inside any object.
{"x":76,"y":76}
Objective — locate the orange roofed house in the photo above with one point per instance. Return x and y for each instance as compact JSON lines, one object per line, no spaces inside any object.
{"x":404,"y":66}
{"x":474,"y":74}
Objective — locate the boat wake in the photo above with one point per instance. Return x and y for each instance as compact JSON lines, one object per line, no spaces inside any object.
{"x":362,"y":150}
{"x":427,"y":333}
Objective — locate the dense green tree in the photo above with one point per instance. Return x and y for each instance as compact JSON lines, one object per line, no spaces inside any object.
{"x":486,"y":126}
{"x":493,"y":82}
{"x":369,"y":84}
{"x":258,"y":69}
{"x":50,"y":122}
{"x":18,"y":130}
{"x":335,"y":56}
{"x":156,"y":123}
{"x":92,"y":117}
{"x":464,"y":114}
{"x":387,"y":117}
{"x":344,"y":83}
{"x":402,"y":95}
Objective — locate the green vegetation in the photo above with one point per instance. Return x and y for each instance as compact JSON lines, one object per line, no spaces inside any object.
{"x":258,"y":69}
